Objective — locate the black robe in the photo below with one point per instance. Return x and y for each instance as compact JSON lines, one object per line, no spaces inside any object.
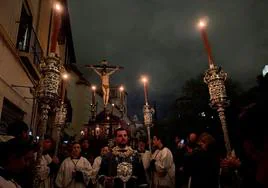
{"x":109,"y":165}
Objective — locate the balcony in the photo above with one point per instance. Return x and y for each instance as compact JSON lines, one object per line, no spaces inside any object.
{"x":29,"y":49}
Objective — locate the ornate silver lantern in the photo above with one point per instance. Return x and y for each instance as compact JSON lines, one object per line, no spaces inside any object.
{"x":215,"y":78}
{"x":47,"y":94}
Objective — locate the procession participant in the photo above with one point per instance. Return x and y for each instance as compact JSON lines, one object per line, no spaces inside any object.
{"x":48,"y":165}
{"x":17,"y":156}
{"x":145,"y":156}
{"x":97,"y":163}
{"x":162,"y":165}
{"x":75,"y":171}
{"x":122,"y":167}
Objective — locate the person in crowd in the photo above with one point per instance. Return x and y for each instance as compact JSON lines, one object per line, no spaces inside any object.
{"x":252,"y":163}
{"x":97,"y":164}
{"x":16,"y":157}
{"x":178,"y":154}
{"x":203,"y":163}
{"x":86,"y":151}
{"x":75,"y":171}
{"x":122,"y":167}
{"x":19,"y":129}
{"x":49,"y":164}
{"x":191,"y":142}
{"x":145,"y":156}
{"x":162,"y":164}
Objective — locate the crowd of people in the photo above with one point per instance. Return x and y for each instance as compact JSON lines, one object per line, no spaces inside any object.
{"x":194,"y":162}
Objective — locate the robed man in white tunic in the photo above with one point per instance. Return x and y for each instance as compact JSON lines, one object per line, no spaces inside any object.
{"x":162,"y":165}
{"x":75,"y":171}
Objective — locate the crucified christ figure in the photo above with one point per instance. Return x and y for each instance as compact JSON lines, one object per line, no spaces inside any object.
{"x":104,"y":71}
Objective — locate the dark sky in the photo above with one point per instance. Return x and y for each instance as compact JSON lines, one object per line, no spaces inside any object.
{"x":159,"y":38}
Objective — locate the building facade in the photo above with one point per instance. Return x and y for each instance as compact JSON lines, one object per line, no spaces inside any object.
{"x":25,"y":38}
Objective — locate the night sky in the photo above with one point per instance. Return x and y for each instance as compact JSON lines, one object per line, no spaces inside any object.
{"x":159,"y":38}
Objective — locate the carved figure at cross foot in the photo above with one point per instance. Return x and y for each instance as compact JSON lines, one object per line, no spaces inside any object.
{"x":105,"y":71}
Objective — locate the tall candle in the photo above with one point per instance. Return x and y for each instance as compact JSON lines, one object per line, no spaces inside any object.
{"x":56,"y":27}
{"x":93,"y":95}
{"x":145,"y":92}
{"x":207,"y":47}
{"x":121,"y":95}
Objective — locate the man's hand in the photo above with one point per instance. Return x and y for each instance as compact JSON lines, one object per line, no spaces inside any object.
{"x":109,"y":181}
{"x":55,"y":160}
{"x":232,"y":162}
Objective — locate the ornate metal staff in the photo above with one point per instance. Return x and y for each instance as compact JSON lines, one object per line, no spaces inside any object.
{"x":60,"y":118}
{"x":47,"y":93}
{"x":147,"y":112}
{"x":215,"y":78}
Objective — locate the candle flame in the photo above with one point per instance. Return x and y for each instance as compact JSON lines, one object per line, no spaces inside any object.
{"x":121,"y":88}
{"x":58,"y":7}
{"x":93,"y":88}
{"x":65,"y":76}
{"x":144,"y":79}
{"x":203,"y":22}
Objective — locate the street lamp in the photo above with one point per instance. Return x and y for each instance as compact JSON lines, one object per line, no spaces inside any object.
{"x":147,"y":111}
{"x":215,"y":78}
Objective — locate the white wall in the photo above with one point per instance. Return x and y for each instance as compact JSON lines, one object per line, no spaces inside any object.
{"x":12,"y":73}
{"x":9,"y":16}
{"x":80,"y":100}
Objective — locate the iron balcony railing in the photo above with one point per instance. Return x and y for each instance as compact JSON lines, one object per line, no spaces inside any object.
{"x":28,"y":42}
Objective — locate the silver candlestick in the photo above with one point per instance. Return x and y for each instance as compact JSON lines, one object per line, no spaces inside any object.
{"x":47,"y":93}
{"x":60,"y":118}
{"x":215,"y":78}
{"x":148,"y":122}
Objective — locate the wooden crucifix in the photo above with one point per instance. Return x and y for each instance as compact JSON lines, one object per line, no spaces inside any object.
{"x":105,"y":71}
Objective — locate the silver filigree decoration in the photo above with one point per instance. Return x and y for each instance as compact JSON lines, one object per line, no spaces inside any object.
{"x":148,"y":115}
{"x":124,"y":171}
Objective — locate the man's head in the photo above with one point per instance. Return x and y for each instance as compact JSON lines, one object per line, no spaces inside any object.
{"x":177,"y":140}
{"x":19,"y":130}
{"x":104,"y":150}
{"x":17,"y":155}
{"x":158,"y":141}
{"x":47,"y":144}
{"x":205,"y":141}
{"x":192,"y":137}
{"x":84,"y":144}
{"x":121,"y":137}
{"x":141,"y":146}
{"x":76,"y":150}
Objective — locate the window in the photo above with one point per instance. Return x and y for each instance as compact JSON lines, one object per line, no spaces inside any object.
{"x":25,"y":29}
{"x":10,"y":113}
